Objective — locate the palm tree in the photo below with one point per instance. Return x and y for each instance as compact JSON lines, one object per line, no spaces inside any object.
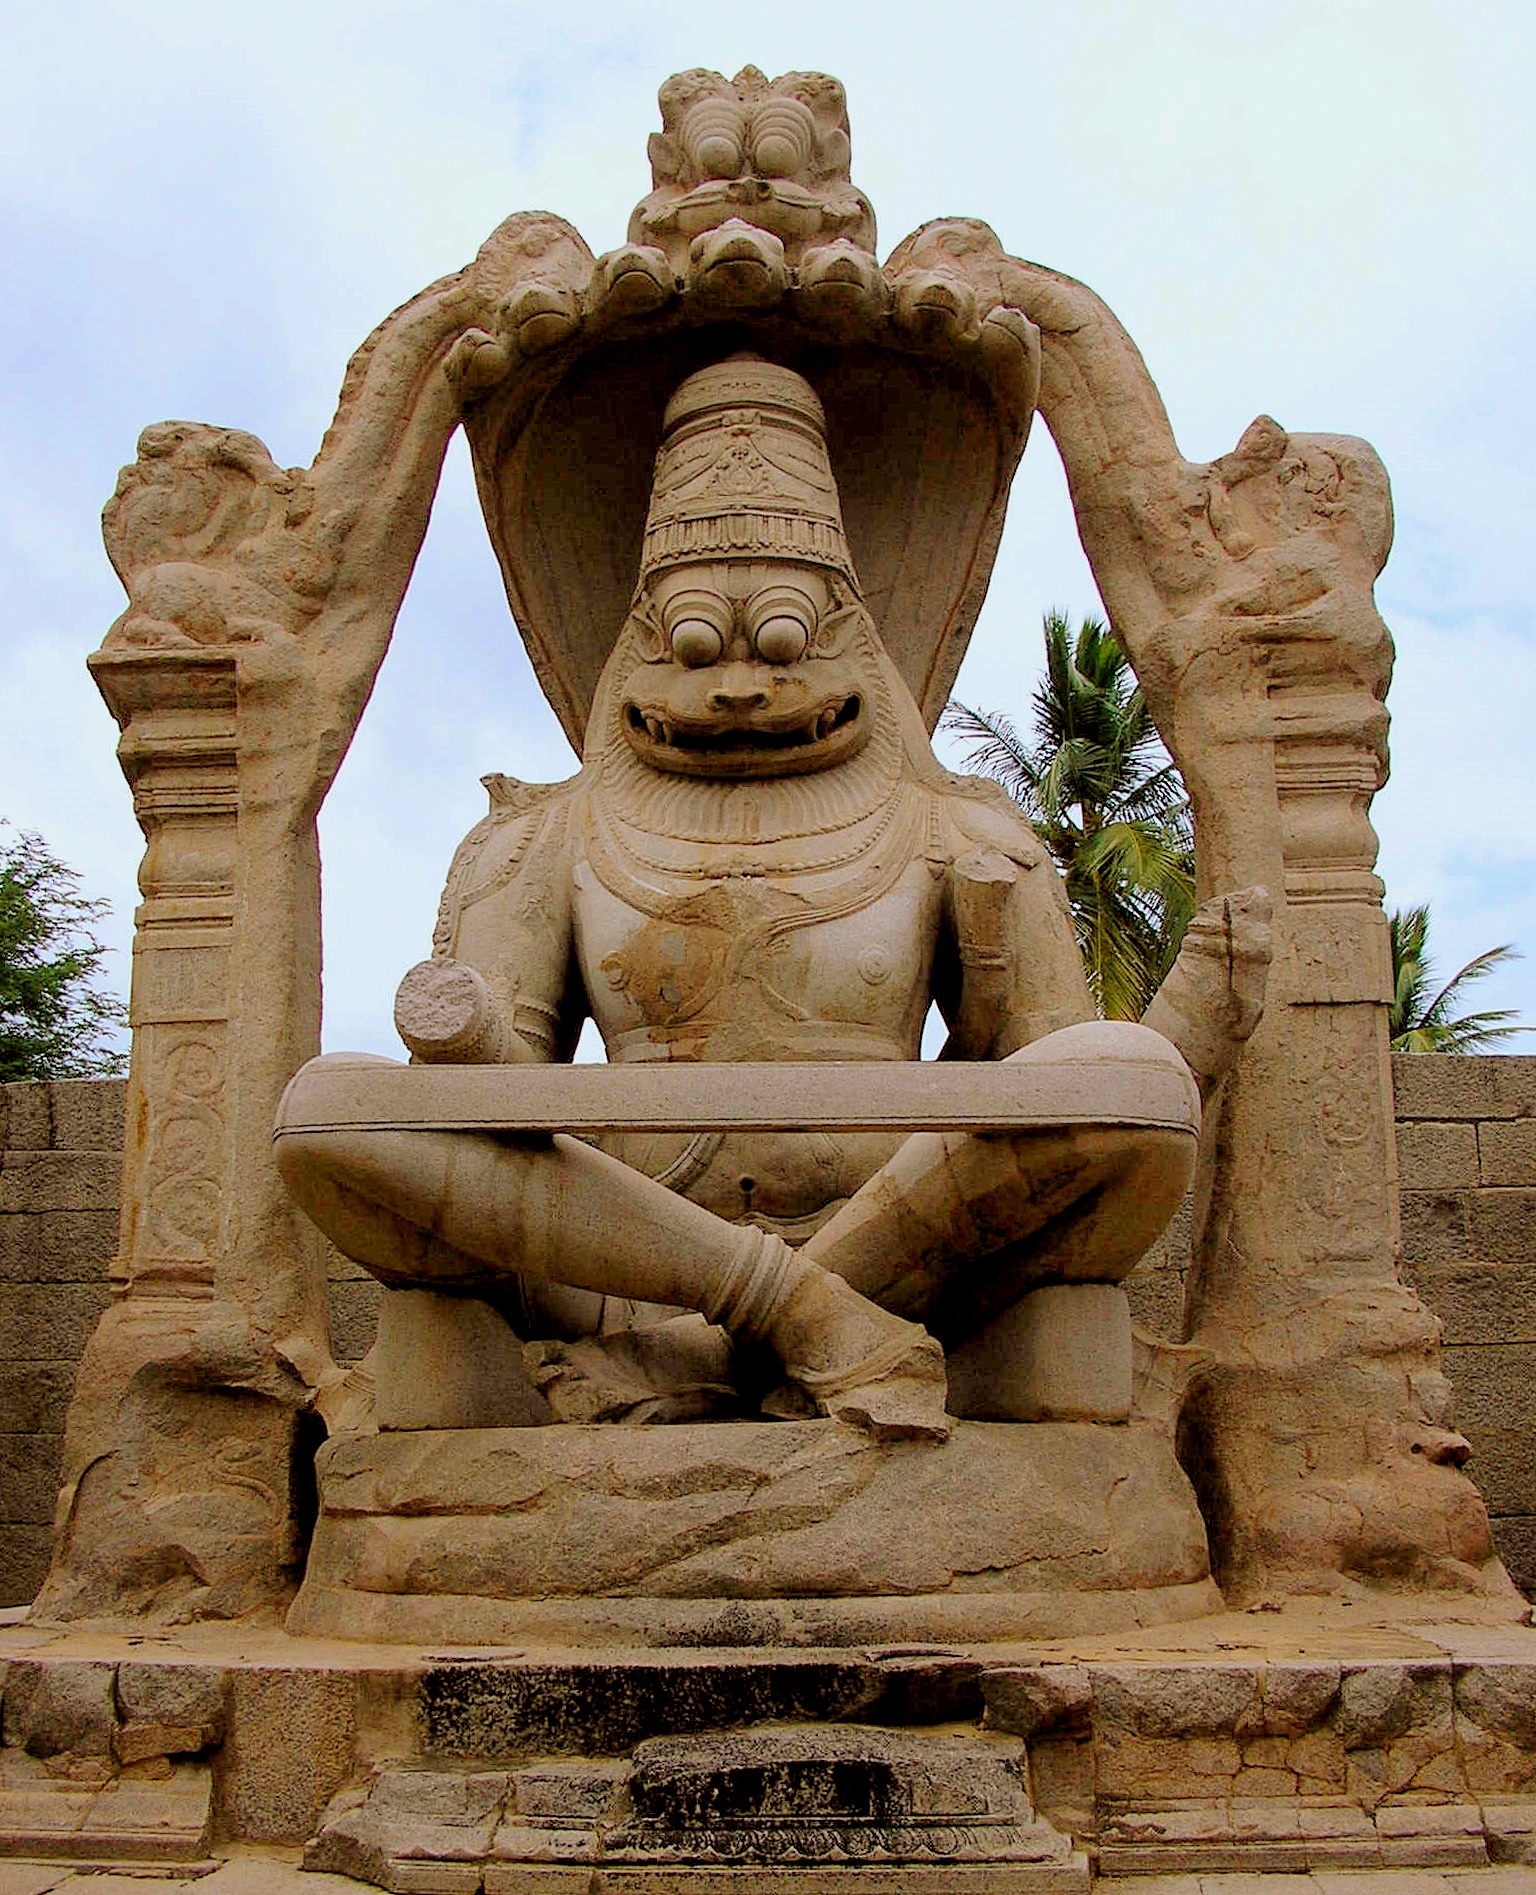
{"x":1106,"y":800}
{"x":1420,"y":1025}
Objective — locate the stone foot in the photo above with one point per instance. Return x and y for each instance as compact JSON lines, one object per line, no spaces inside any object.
{"x":857,"y":1363}
{"x":897,"y":1394}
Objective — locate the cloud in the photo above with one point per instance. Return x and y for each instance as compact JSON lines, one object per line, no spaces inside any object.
{"x":1301,"y":209}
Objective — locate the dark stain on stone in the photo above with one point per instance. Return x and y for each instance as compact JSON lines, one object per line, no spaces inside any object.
{"x":605,"y":1709}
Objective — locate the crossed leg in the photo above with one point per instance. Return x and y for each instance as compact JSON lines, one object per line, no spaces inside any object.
{"x":470,"y":1211}
{"x":956,"y":1231}
{"x":953,"y":1231}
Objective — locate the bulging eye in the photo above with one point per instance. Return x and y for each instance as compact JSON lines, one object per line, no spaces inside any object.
{"x":711,"y":135}
{"x":719,"y":156}
{"x":783,"y":133}
{"x":696,"y":642}
{"x":781,"y":639}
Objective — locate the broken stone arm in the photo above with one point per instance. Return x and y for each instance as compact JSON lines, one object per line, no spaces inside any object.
{"x":501,"y":987}
{"x":446,"y":1015}
{"x":1019,"y":973}
{"x":1213,"y":996}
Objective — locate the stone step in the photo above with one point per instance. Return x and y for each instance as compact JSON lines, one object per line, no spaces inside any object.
{"x":156,"y":1813}
{"x":1383,"y":1755}
{"x":1293,"y":1835}
{"x":849,"y":1807}
{"x":1487,"y":1881}
{"x":260,"y":1872}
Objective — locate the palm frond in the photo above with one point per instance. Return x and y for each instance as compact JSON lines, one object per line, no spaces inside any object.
{"x":1419,"y":1024}
{"x":1475,"y":969}
{"x":1107,"y":802}
{"x":997,"y":751}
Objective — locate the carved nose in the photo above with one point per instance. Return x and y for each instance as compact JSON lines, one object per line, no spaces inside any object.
{"x":746,"y":698}
{"x":737,"y":692}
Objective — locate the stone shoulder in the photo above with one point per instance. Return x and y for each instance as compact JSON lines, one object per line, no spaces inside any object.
{"x":523,"y":819}
{"x":985,"y":816}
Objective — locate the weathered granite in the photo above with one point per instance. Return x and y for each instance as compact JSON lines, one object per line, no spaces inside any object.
{"x":852,"y":1807}
{"x":501,"y":1534}
{"x":1483,"y":1302}
{"x":1313,"y":1740}
{"x":745,"y":484}
{"x":261,"y":601}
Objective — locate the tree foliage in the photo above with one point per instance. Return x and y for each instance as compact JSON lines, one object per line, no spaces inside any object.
{"x":56,"y":1021}
{"x":1421,"y":1023}
{"x":1106,"y":800}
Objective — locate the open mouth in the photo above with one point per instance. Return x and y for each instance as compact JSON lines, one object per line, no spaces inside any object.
{"x":733,"y":739}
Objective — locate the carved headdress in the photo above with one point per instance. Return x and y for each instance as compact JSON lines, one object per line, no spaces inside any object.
{"x":743,"y":473}
{"x":914,"y":388}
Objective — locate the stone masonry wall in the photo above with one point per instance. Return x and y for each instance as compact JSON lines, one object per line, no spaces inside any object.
{"x":1466,"y":1143}
{"x":61,"y":1149}
{"x":60,"y":1155}
{"x":1466,"y":1135}
{"x":1467,"y":1151}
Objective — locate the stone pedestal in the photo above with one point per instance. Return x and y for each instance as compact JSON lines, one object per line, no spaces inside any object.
{"x":805,"y":1533}
{"x":1062,"y":1353}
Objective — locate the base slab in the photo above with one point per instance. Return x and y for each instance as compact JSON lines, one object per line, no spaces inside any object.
{"x":849,"y":1807}
{"x":727,"y":1533}
{"x":1312,"y":1739}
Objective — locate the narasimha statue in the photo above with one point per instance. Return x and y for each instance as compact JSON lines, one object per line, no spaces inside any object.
{"x":762,"y":861}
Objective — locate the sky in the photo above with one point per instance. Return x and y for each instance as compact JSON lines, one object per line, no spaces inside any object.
{"x":1320,"y":210}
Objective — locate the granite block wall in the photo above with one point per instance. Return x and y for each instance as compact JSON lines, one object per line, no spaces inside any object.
{"x":60,"y":1155}
{"x":61,"y":1150}
{"x":1466,"y":1130}
{"x":1466,"y":1146}
{"x":1467,"y":1154}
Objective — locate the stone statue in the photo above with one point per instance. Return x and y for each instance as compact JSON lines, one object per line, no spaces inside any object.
{"x":762,"y":861}
{"x":745,"y":483}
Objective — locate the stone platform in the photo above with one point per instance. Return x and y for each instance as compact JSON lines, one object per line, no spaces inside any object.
{"x":272,"y":1872}
{"x":861,"y":1807}
{"x":751,"y":1533}
{"x":1317,"y":1741}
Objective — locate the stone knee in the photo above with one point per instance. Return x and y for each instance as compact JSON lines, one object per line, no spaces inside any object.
{"x":1134,"y":1175}
{"x":956,"y":1227}
{"x":344,"y":1181}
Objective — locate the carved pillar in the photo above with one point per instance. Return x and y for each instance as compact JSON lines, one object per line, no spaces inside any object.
{"x":181,"y":1438}
{"x":1338,"y":986}
{"x":180,"y":756}
{"x":1313,"y":1096}
{"x":261,"y":602}
{"x":1318,"y":1426}
{"x":1316,"y":1421}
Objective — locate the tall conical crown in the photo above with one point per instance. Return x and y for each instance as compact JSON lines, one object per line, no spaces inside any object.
{"x":742,"y":472}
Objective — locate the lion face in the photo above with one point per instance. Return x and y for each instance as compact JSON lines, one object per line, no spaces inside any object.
{"x":747,"y":670}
